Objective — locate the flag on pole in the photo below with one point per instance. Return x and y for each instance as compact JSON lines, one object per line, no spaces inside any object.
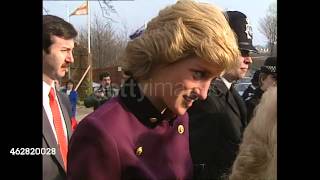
{"x":81,"y":10}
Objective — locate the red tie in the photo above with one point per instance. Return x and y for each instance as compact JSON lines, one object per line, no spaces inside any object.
{"x":57,"y":121}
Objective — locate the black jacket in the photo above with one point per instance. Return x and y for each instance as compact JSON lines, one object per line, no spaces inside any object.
{"x":95,"y":101}
{"x":216,"y":127}
{"x":252,"y":102}
{"x":248,"y":92}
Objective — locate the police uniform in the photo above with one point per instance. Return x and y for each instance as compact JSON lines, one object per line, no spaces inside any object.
{"x":128,"y":138}
{"x":248,"y":93}
{"x":216,"y":127}
{"x":253,"y":101}
{"x":269,"y":67}
{"x":217,"y":123}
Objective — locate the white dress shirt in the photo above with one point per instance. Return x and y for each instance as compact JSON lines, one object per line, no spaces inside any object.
{"x":226,"y":82}
{"x":45,"y":101}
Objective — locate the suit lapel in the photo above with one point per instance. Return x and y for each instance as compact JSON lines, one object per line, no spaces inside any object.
{"x":241,"y":106}
{"x":223,"y":91}
{"x":48,"y":135}
{"x":233,"y":104}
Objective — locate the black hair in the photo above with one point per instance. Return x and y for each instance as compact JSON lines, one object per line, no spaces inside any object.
{"x":53,"y":25}
{"x":104,"y":74}
{"x":70,"y":81}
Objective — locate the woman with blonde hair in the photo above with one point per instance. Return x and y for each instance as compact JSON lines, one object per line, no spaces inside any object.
{"x":143,"y":132}
{"x":257,"y":158}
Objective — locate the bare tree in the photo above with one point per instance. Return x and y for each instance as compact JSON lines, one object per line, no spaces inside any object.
{"x":45,"y":10}
{"x":106,"y":45}
{"x":107,"y":8}
{"x":268,"y":27}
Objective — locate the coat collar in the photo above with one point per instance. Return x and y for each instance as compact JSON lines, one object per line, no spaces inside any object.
{"x":235,"y":103}
{"x":230,"y":95}
{"x":131,"y":95}
{"x":218,"y":87}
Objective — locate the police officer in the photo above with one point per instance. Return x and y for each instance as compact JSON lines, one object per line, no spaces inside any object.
{"x":247,"y":94}
{"x":267,"y":78}
{"x":216,"y":124}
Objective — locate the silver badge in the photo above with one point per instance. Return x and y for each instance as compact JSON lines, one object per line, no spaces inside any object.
{"x":248,"y":29}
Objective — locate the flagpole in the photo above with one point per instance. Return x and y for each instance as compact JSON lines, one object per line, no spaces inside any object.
{"x":89,"y":51}
{"x":68,"y":13}
{"x":88,"y":21}
{"x":83,"y":9}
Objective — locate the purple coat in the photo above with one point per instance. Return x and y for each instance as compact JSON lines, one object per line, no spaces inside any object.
{"x":128,"y":139}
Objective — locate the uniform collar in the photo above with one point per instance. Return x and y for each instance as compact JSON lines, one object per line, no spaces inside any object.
{"x":219,"y":87}
{"x":138,"y":104}
{"x":226,"y":82}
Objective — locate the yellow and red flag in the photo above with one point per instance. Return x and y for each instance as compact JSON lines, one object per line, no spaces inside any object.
{"x":81,"y":10}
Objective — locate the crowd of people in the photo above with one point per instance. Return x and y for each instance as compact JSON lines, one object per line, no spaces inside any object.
{"x":177,"y":115}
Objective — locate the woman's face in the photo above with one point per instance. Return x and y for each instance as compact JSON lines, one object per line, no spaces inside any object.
{"x":178,"y":85}
{"x":270,"y":81}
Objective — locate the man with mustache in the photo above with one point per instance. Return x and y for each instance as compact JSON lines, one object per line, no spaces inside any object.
{"x":216,"y":124}
{"x":58,"y":43}
{"x":103,"y":93}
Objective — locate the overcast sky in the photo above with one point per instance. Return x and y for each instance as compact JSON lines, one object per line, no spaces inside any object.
{"x":135,"y":13}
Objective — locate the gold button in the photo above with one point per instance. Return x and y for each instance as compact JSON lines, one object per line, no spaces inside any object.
{"x":153,"y":120}
{"x":180,"y":129}
{"x":139,"y":151}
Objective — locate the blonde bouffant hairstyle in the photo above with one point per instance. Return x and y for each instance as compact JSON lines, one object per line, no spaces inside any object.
{"x":185,"y":29}
{"x":257,"y":158}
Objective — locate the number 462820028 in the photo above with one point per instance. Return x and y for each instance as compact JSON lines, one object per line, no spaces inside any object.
{"x":32,"y":151}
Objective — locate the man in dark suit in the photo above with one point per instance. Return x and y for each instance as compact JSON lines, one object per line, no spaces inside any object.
{"x":58,"y":43}
{"x":216,"y":124}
